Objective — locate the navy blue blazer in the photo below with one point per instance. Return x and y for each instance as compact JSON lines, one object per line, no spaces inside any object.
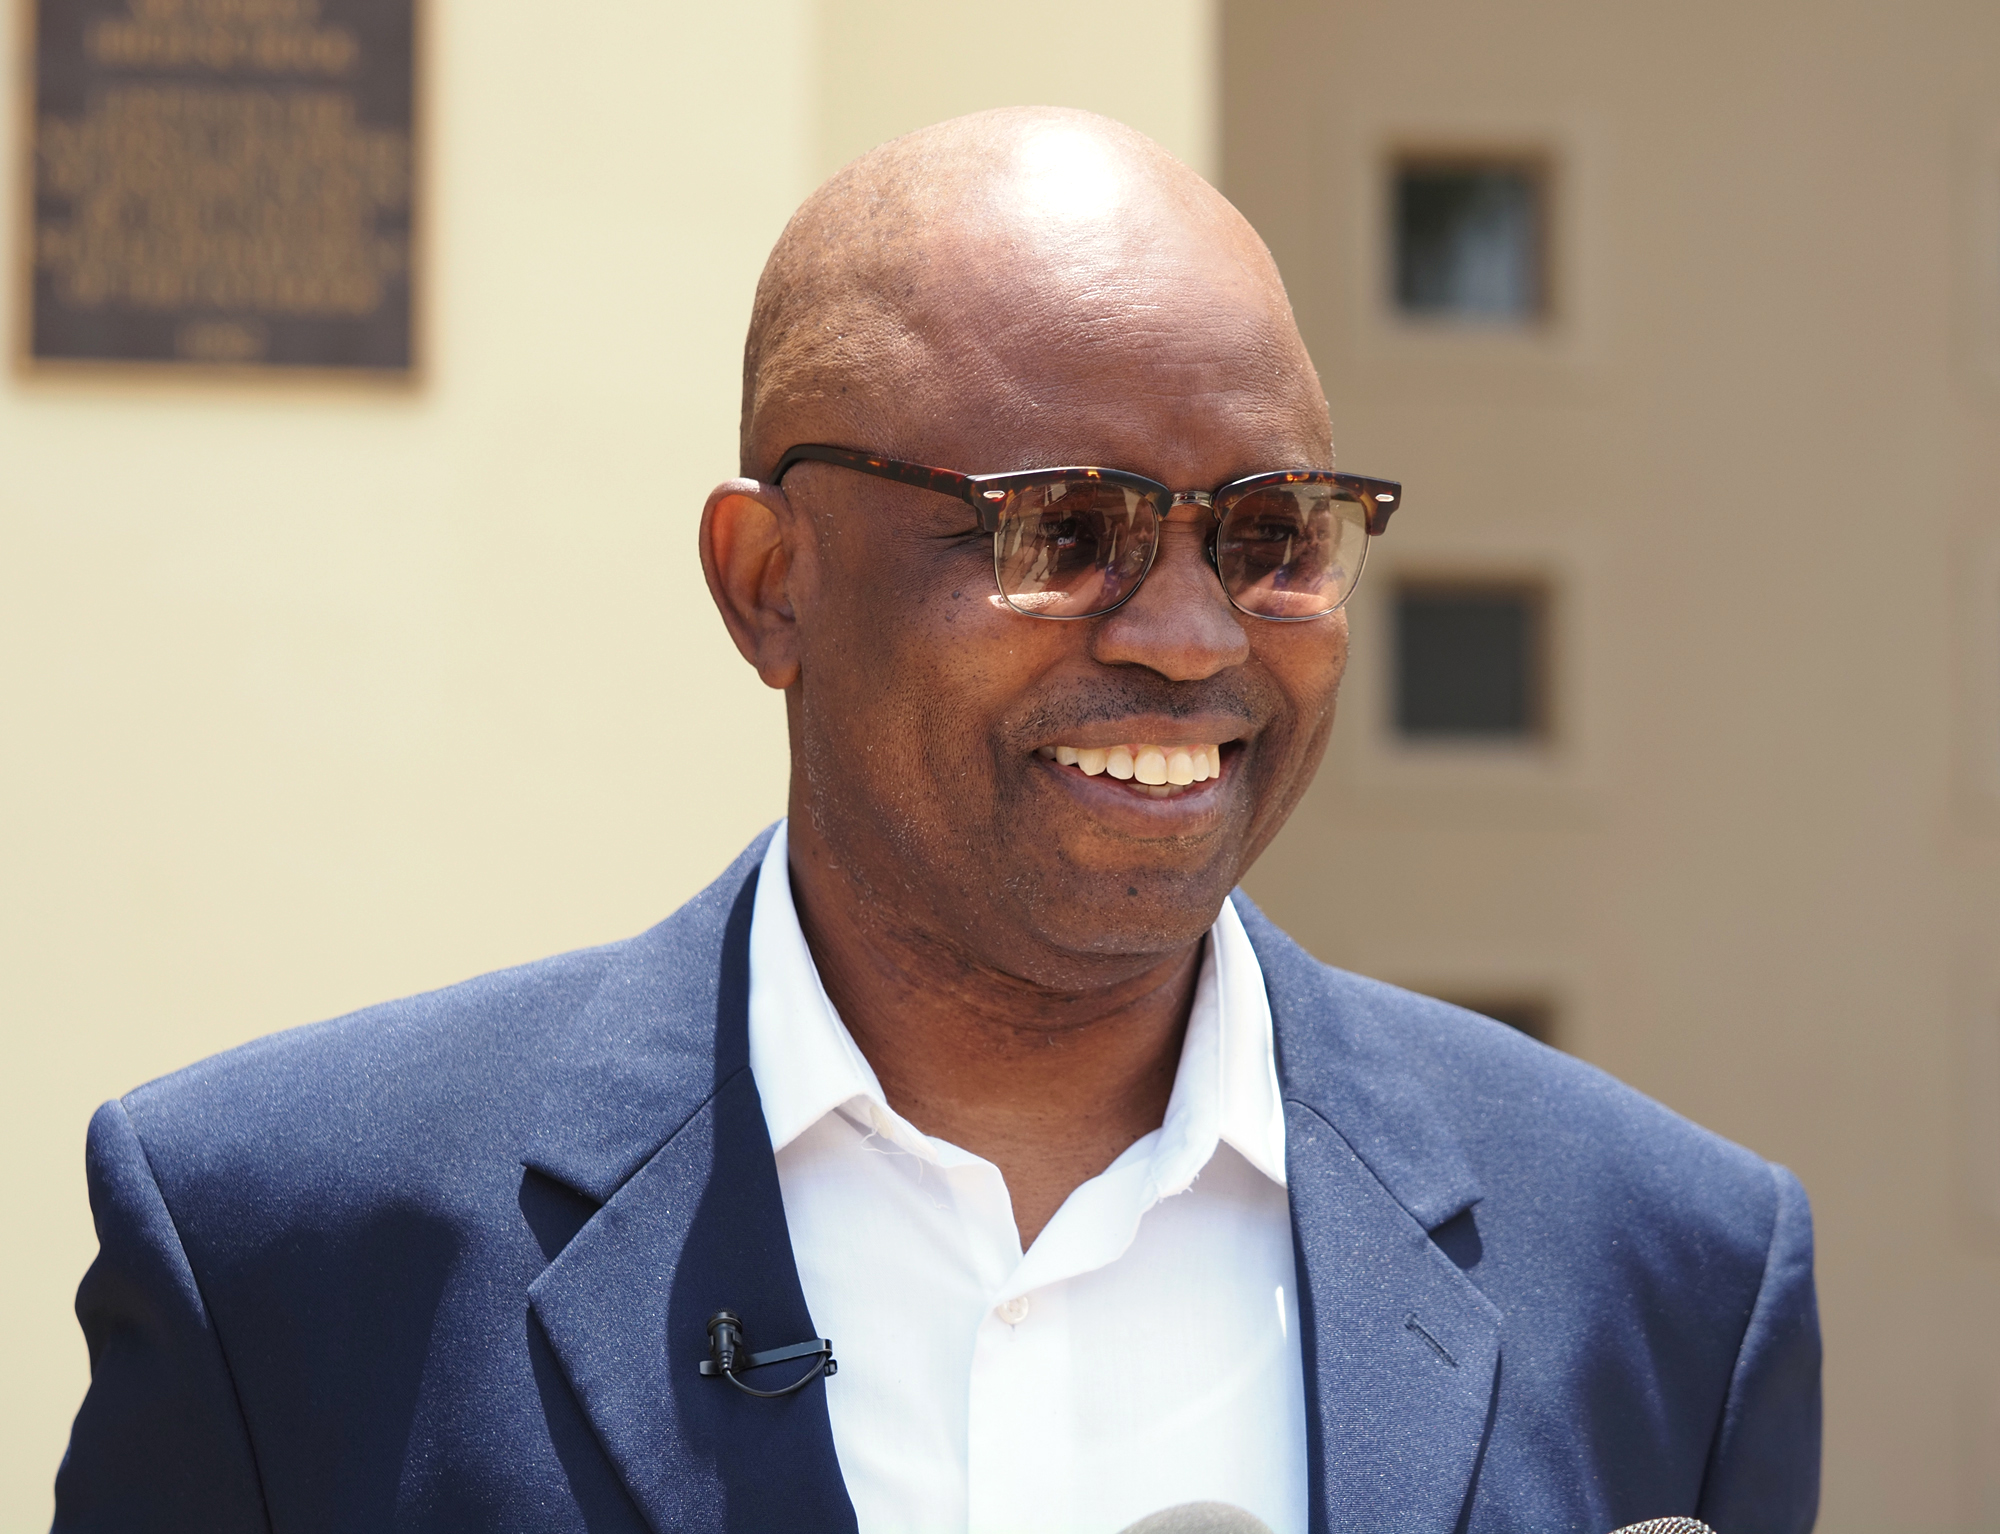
{"x":446,"y":1265}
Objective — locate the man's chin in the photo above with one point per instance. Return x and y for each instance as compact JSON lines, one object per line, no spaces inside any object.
{"x":1133,"y":915}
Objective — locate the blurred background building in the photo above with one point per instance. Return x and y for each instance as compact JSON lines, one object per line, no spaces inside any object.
{"x":1673,"y":730}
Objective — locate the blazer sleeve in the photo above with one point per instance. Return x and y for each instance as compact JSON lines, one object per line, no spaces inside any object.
{"x":1763,"y":1471}
{"x":160,"y":1445}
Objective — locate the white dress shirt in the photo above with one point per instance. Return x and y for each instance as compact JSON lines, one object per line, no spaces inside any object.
{"x":1143,"y":1353}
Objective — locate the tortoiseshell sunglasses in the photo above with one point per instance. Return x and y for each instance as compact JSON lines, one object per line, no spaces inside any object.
{"x":1076,"y":543}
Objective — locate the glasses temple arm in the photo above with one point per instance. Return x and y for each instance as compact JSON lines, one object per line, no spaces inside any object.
{"x":922,"y":476}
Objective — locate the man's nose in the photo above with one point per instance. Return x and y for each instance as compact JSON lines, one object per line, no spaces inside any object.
{"x":1179,"y":622}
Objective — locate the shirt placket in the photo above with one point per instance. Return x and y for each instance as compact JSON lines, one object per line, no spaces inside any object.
{"x":1019,"y":1463}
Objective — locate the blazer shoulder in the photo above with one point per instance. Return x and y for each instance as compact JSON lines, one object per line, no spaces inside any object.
{"x":1530,"y":1123}
{"x":401,"y":1043}
{"x":608,"y":1047}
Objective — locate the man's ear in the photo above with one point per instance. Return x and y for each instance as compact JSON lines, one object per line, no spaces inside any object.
{"x":747,"y":559}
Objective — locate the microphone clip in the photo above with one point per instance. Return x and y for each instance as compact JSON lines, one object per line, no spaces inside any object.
{"x":728,"y":1357}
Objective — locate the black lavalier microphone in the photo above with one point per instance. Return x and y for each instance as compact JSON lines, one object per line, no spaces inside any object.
{"x":727,"y":1356}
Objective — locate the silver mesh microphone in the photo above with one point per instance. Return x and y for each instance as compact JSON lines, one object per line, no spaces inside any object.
{"x":1200,"y":1518}
{"x":1666,"y":1526}
{"x":1221,"y":1518}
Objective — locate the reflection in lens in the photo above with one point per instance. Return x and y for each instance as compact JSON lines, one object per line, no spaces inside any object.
{"x":1291,"y":551}
{"x":1072,"y":548}
{"x":1052,"y":604}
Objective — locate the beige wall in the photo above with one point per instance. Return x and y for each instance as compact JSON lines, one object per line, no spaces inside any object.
{"x":887,"y":66}
{"x":1757,"y":451}
{"x":311,"y":696}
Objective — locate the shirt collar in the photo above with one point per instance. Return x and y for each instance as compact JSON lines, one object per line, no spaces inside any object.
{"x":807,"y":1065}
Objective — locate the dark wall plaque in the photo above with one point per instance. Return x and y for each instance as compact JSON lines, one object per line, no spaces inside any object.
{"x":223,"y":182}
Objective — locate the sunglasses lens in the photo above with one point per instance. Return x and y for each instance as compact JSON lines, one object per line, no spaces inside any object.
{"x":1292,"y":551}
{"x":1073,"y":548}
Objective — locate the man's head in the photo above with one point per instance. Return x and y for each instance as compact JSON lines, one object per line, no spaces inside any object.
{"x":1016,"y":290}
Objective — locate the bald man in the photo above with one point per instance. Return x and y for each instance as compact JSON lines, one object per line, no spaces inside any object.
{"x":971,"y":1155}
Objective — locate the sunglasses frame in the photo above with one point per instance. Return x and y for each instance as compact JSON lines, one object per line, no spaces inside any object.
{"x":987,"y":493}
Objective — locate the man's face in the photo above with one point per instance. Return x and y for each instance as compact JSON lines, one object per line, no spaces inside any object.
{"x":927,"y":711}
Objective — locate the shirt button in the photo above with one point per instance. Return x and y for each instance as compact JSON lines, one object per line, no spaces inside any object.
{"x":1013,"y":1311}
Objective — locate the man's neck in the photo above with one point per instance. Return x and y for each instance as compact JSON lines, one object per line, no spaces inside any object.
{"x":1050,"y":1085}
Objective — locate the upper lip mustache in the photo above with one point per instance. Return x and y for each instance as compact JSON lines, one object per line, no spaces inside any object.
{"x":1155,"y":730}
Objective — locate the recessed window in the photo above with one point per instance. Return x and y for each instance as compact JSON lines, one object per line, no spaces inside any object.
{"x":1533,"y":1015}
{"x":1471,"y":239}
{"x":1471,"y":661}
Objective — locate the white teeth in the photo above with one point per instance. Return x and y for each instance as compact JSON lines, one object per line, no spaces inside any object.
{"x":1160,"y":770}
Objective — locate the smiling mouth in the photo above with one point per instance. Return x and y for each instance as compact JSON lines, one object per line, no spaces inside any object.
{"x":1158,"y":771}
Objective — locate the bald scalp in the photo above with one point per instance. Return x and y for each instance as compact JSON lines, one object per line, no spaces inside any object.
{"x":903,"y":286}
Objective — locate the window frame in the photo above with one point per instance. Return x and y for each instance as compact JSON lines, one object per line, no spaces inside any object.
{"x":1537,"y":168}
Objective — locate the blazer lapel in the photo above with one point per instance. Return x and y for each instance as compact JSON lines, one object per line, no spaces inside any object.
{"x":1401,"y":1350}
{"x":692,"y":1222}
